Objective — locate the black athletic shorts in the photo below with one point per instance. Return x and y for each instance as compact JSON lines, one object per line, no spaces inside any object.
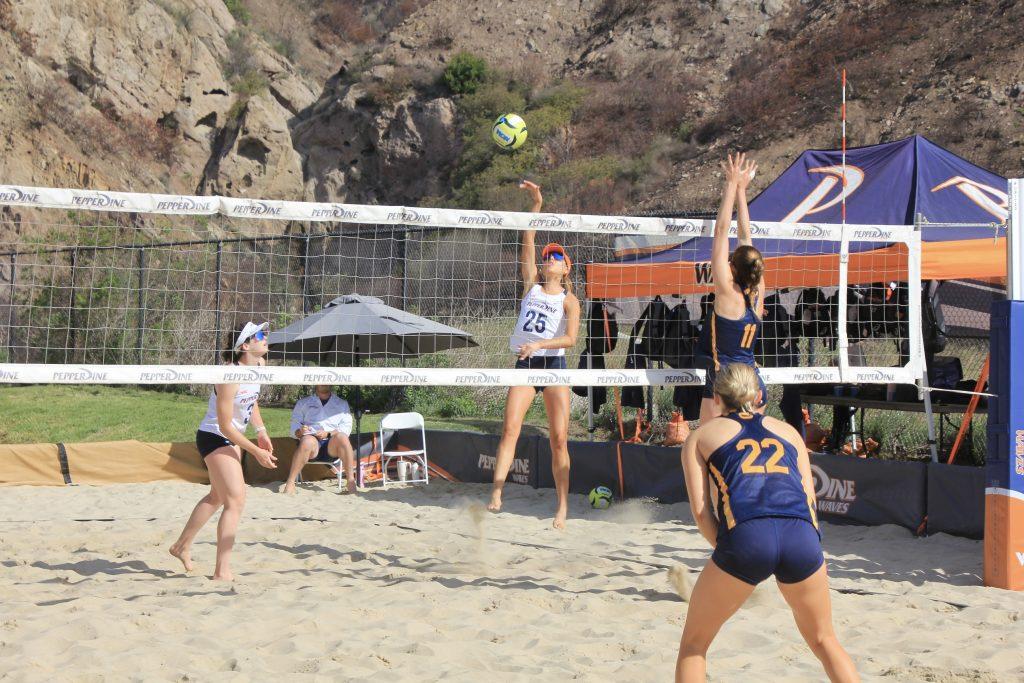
{"x":541,"y":363}
{"x":208,"y":442}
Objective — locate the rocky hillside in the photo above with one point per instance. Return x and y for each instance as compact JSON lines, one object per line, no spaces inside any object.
{"x":631,"y":103}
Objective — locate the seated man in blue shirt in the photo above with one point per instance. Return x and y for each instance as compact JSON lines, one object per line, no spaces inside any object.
{"x":322,"y":422}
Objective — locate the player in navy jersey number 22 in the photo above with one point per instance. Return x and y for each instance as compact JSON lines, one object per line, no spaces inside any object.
{"x":766,"y":525}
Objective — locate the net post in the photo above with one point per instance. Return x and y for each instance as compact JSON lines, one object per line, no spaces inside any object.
{"x":922,"y":389}
{"x":10,"y":312}
{"x":590,"y":366}
{"x":216,"y":298}
{"x":842,"y":301}
{"x":141,"y":318}
{"x":1004,"y":462}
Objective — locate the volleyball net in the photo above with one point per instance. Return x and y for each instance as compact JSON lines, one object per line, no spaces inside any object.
{"x":127,"y":288}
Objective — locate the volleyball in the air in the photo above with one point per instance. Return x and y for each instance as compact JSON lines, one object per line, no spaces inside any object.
{"x":600,"y":497}
{"x":509,"y":131}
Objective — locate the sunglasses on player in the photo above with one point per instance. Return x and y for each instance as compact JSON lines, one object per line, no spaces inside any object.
{"x":556,"y":255}
{"x":259,"y":336}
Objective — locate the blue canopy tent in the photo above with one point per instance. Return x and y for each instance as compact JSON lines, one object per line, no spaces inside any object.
{"x":887,"y":184}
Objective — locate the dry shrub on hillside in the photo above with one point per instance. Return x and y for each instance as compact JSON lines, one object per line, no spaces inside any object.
{"x":440,"y":30}
{"x":349,"y":20}
{"x":394,"y":14}
{"x":100,"y":131}
{"x":344,"y":22}
{"x":794,"y":78}
{"x":625,"y":116}
{"x":8,"y":24}
{"x":532,"y":73}
{"x":610,"y":12}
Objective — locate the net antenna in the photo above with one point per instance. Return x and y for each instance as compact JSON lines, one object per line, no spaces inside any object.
{"x":128,"y":288}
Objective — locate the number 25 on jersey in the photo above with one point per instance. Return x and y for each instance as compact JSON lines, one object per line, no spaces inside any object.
{"x":535,"y":322}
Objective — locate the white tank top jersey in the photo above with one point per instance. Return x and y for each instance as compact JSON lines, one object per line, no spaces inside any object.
{"x":241,"y":409}
{"x":541,"y":316}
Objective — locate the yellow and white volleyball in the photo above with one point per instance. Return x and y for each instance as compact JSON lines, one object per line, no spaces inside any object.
{"x":509,"y":131}
{"x":600,"y":497}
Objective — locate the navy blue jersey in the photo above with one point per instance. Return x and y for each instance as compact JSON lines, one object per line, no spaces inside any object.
{"x":724,"y":341}
{"x":756,"y":475}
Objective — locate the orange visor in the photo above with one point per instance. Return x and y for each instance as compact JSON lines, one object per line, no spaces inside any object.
{"x":556,"y":248}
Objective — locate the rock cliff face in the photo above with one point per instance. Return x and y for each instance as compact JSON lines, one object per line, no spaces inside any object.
{"x":359,"y":153}
{"x":182,"y":96}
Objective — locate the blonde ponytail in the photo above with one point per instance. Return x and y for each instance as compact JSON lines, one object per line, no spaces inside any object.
{"x":737,"y":386}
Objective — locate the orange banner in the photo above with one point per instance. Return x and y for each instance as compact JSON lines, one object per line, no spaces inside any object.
{"x":940,"y":261}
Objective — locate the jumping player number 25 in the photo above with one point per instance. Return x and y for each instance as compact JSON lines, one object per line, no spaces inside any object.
{"x":771,"y":466}
{"x":535,"y":322}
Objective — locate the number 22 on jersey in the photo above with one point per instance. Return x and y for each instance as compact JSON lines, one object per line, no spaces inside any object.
{"x":771,"y":466}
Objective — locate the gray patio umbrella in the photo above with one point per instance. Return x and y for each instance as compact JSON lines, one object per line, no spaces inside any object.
{"x":352,"y":328}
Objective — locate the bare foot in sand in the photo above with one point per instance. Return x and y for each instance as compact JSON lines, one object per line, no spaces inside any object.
{"x":183,"y":554}
{"x":350,"y":487}
{"x":495,"y":504}
{"x":289,"y":489}
{"x":226,"y":576}
{"x":560,"y":515}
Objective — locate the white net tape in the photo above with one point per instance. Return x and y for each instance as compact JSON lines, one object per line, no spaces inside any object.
{"x":110,"y":287}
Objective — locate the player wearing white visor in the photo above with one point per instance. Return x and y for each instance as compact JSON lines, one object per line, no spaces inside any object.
{"x":220,"y":440}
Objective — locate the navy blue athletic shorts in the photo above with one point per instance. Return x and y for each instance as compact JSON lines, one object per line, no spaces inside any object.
{"x":541,"y":363}
{"x":709,"y":385}
{"x":322,"y":455}
{"x":787,"y":547}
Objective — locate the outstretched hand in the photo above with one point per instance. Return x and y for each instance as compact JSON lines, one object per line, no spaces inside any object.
{"x":739,"y":171}
{"x":534,"y":190}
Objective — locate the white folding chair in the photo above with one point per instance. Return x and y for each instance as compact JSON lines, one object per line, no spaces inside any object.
{"x":396,"y":421}
{"x":334,"y":464}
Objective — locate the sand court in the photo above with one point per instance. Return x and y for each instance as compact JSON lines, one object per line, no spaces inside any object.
{"x":422,"y":584}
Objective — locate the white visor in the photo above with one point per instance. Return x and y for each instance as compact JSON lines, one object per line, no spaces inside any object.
{"x":248,"y":331}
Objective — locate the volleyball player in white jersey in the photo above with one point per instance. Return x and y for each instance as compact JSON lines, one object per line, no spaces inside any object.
{"x":549,"y":318}
{"x":220,"y":440}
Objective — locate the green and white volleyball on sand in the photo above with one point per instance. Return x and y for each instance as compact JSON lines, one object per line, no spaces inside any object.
{"x":509,"y":131}
{"x":600,"y":497}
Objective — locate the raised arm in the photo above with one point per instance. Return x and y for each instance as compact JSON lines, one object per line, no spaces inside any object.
{"x":746,"y":174}
{"x":527,"y":250}
{"x":720,"y":270}
{"x":699,"y":489}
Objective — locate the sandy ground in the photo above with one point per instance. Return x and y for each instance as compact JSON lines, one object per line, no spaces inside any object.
{"x":422,"y":584}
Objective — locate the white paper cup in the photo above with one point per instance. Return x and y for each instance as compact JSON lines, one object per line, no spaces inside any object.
{"x":403,"y":470}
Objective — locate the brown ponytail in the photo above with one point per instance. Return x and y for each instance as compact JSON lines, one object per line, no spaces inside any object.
{"x":748,"y":265}
{"x":231,"y":354}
